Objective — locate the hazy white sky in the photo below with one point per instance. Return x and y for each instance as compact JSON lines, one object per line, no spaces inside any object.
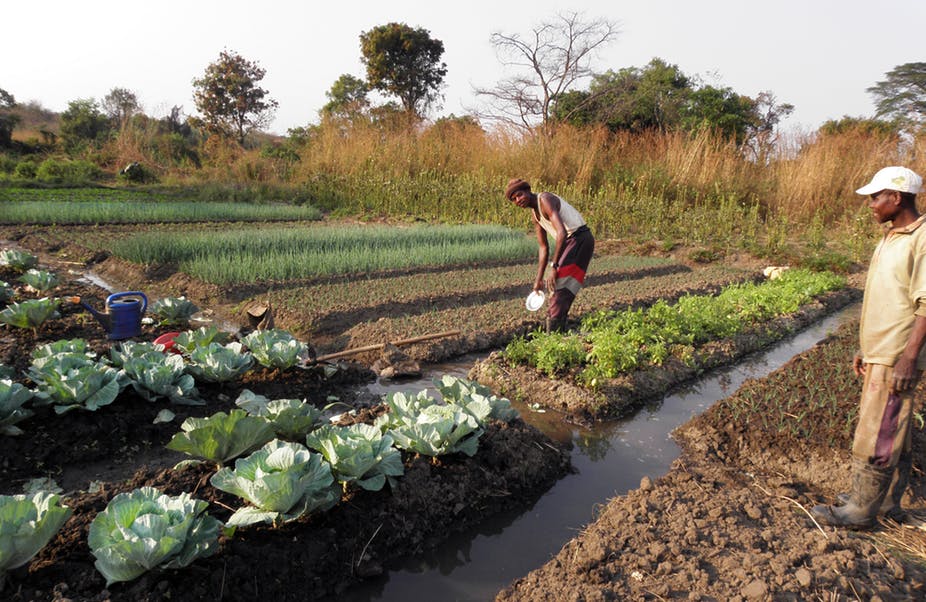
{"x":819,"y":55}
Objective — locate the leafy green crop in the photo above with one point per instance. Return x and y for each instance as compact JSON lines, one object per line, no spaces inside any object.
{"x":72,"y":380}
{"x":18,"y":260}
{"x":154,"y":375}
{"x":31,"y":313}
{"x":12,"y":397}
{"x":173,"y":311}
{"x":221,"y":437}
{"x":145,"y":529}
{"x":463,"y":392}
{"x":291,"y":419}
{"x":27,"y":523}
{"x":282,"y":480}
{"x":359,"y":454}
{"x":219,"y":363}
{"x":40,"y":280}
{"x":123,"y":351}
{"x":79,"y":346}
{"x":189,"y":340}
{"x":275,"y":348}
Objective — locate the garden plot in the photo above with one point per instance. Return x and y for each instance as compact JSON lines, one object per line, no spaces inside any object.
{"x":621,"y":359}
{"x":727,"y":522}
{"x":107,"y":451}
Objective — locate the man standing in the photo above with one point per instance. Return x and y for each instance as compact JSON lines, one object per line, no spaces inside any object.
{"x":891,"y":336}
{"x":571,"y":255}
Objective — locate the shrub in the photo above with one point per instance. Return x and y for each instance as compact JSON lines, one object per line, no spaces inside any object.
{"x":25,"y":170}
{"x":74,"y":172}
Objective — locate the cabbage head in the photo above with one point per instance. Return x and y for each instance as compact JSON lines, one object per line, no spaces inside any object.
{"x":39,"y":280}
{"x":275,"y":348}
{"x":72,"y":380}
{"x":439,"y":430}
{"x":173,"y":311}
{"x":359,"y":454}
{"x":283,"y":481}
{"x":291,"y":419}
{"x":475,"y":398}
{"x":189,"y":340}
{"x":144,"y":529}
{"x":217,"y":363}
{"x":27,"y":523}
{"x":31,"y":313}
{"x":221,"y":437}
{"x":155,"y":375}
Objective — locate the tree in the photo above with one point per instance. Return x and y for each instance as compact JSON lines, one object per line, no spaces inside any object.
{"x":8,"y":119}
{"x":404,"y":62}
{"x":82,"y":123}
{"x":230,"y":99}
{"x":902,"y":95}
{"x":120,"y":105}
{"x":346,"y":98}
{"x":722,"y":110}
{"x":548,"y":63}
{"x":762,"y":137}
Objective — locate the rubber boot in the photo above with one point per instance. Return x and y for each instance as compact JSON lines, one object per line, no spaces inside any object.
{"x":869,"y":486}
{"x":890,"y":507}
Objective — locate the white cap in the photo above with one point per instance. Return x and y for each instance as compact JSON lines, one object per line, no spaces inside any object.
{"x":896,"y":178}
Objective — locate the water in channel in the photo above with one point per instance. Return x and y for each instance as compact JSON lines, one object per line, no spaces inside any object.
{"x":610,"y":460}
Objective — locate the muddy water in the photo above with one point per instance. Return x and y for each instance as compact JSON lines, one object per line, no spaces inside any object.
{"x":610,"y":460}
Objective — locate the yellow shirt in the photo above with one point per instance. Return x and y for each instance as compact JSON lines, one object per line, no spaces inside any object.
{"x":895,"y":292}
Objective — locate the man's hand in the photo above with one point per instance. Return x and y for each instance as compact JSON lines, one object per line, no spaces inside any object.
{"x":858,"y":364}
{"x":905,"y":375}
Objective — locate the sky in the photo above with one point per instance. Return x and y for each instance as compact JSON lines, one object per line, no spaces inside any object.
{"x":818,"y":55}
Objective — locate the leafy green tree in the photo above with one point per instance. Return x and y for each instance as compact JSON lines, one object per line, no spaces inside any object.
{"x":865,"y":125}
{"x":120,"y":105}
{"x":901,"y":96}
{"x":83,"y":123}
{"x":404,"y":62}
{"x":230,"y":99}
{"x":8,"y":119}
{"x":720,"y":109}
{"x":346,"y":98}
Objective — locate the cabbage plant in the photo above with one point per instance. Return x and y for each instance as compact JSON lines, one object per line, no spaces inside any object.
{"x":173,"y":311}
{"x":275,"y":348}
{"x":154,"y":375}
{"x":7,"y":371}
{"x":18,"y":260}
{"x":12,"y":397}
{"x":189,"y":340}
{"x":221,"y":437}
{"x":219,"y":363}
{"x":144,"y":529}
{"x":48,"y":350}
{"x":359,"y":453}
{"x":39,"y":280}
{"x":291,"y":419}
{"x":125,"y":350}
{"x":283,"y":481}
{"x":419,"y":424}
{"x":72,"y":380}
{"x":31,"y":313}
{"x":27,"y":523}
{"x":473,"y":397}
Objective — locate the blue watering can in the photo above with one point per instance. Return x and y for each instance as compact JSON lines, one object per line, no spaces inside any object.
{"x":122,"y":318}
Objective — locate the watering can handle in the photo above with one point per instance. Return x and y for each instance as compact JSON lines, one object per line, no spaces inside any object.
{"x":144,"y":299}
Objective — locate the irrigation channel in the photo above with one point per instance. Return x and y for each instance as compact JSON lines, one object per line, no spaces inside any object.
{"x":610,"y":460}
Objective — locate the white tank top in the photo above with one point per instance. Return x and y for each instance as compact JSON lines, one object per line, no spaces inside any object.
{"x":572,"y":219}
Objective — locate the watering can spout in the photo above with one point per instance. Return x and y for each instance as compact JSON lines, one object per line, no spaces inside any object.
{"x":103,"y":318}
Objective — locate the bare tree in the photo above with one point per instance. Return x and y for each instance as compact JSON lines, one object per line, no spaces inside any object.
{"x":548,"y":62}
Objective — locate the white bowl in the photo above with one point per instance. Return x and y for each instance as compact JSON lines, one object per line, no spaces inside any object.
{"x":535,"y":300}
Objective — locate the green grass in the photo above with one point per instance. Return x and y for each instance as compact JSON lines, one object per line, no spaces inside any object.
{"x":254,"y":255}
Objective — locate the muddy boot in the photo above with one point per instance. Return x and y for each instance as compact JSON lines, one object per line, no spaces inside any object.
{"x":869,"y":486}
{"x":556,"y":325}
{"x":890,"y":507}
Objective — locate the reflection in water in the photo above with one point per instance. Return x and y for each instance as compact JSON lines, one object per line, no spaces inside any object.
{"x":609,"y":459}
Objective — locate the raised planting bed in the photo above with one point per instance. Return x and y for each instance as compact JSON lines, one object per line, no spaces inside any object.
{"x":565,"y":382}
{"x":728,"y":522}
